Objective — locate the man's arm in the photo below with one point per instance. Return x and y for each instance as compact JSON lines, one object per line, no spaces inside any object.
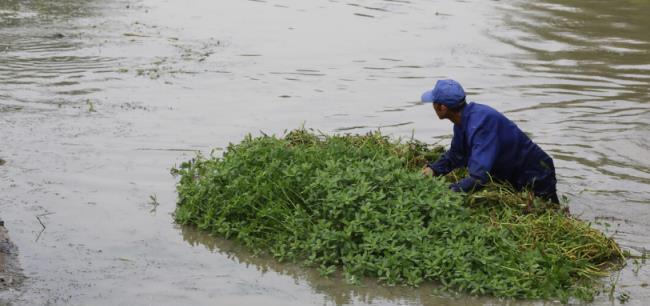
{"x":485,"y":148}
{"x":451,"y":159}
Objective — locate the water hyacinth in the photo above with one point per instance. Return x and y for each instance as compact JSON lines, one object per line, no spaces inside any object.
{"x":359,"y":205}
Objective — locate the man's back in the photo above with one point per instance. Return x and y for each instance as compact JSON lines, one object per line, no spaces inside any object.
{"x":509,"y":156}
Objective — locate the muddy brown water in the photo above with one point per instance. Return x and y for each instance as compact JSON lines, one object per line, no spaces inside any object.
{"x":98,"y":99}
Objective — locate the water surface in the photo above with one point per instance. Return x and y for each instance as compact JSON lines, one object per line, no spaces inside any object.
{"x":100,"y":98}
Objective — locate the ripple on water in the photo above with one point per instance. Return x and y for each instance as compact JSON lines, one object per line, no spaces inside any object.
{"x":46,"y":41}
{"x":45,"y":57}
{"x":19,"y":68}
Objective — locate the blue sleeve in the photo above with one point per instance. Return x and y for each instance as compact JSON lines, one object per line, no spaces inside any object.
{"x":485,"y":148}
{"x":452,"y":159}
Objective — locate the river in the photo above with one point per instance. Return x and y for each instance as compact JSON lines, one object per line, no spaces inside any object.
{"x":99,"y":99}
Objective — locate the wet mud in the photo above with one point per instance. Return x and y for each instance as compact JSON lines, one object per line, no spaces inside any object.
{"x":11,"y":276}
{"x":100,"y":99}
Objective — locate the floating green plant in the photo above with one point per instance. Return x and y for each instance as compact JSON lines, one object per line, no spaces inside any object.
{"x":358,"y":204}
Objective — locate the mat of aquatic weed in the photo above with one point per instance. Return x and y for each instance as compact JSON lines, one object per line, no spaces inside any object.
{"x":358,"y":204}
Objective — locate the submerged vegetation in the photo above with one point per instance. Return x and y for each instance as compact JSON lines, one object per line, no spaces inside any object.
{"x":359,"y":205}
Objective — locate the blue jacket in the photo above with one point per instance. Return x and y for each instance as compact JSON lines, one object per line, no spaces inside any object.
{"x":493,"y":147}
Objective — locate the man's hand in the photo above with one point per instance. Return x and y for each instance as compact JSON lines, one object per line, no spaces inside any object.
{"x":426,"y":171}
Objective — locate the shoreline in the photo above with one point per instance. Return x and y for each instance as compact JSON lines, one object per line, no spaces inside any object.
{"x":10,"y":272}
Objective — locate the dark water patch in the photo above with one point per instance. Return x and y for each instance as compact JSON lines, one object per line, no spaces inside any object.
{"x":390,"y":110}
{"x":298,"y":73}
{"x":350,"y":128}
{"x":368,"y":7}
{"x":334,"y":288}
{"x":359,"y":127}
{"x":364,"y":15}
{"x":18,"y":82}
{"x":63,"y":83}
{"x":9,"y":108}
{"x":563,"y":151}
{"x":390,"y":59}
{"x":375,"y":8}
{"x":78,"y":92}
{"x":135,"y":35}
{"x":412,"y":77}
{"x":308,"y":70}
{"x":398,"y":1}
{"x":172,"y":149}
{"x":396,"y":124}
{"x":75,"y":76}
{"x":337,"y":115}
{"x":410,"y":66}
{"x":412,"y":104}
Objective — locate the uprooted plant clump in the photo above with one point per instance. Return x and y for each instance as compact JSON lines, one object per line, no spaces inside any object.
{"x":359,"y":204}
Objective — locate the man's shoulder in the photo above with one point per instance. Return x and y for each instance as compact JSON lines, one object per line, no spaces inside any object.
{"x":481,"y":108}
{"x":485,"y":117}
{"x":483,"y":112}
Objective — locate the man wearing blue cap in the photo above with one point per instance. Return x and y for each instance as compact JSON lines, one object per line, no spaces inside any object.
{"x":489,"y":145}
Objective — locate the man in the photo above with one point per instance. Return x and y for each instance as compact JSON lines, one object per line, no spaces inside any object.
{"x":490,"y":145}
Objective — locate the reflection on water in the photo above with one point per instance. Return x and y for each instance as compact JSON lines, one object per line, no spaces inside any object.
{"x":335,"y":289}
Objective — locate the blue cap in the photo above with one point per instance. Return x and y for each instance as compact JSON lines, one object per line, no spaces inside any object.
{"x":446,"y":92}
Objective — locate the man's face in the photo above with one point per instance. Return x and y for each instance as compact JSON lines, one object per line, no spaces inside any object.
{"x":440,"y":110}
